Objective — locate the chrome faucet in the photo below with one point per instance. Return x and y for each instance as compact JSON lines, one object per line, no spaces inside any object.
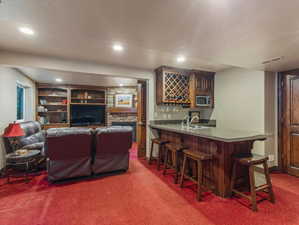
{"x":187,"y":120}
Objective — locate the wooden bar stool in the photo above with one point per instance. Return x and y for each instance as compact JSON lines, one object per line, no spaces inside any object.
{"x":161,"y":144}
{"x":251,"y":161}
{"x":199,"y":158}
{"x":173,"y":150}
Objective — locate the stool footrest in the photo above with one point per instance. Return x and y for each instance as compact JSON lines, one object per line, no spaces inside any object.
{"x":242,"y":194}
{"x":262,"y":187}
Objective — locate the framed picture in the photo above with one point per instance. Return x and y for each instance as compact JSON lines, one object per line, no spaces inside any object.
{"x":124,"y":100}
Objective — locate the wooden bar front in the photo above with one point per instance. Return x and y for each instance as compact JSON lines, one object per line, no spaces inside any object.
{"x":218,"y":172}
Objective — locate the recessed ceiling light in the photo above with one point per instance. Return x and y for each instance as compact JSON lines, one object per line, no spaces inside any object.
{"x":180,"y":59}
{"x":118,"y":47}
{"x":58,"y":80}
{"x":121,"y":85}
{"x":26,"y":30}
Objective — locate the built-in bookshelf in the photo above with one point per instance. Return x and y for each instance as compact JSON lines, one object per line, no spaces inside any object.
{"x":52,"y":105}
{"x":54,"y":102}
{"x":87,"y":96}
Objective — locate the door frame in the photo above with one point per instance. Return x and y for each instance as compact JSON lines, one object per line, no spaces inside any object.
{"x":281,"y":84}
{"x":142,"y":84}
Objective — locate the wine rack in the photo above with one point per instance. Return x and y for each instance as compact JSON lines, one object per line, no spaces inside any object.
{"x":172,"y":86}
{"x":176,"y":86}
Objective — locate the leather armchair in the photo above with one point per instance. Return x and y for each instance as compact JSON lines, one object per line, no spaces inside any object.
{"x":34,"y":137}
{"x":112,"y":149}
{"x":69,"y":152}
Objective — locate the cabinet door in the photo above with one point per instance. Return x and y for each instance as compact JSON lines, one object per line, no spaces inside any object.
{"x":201,"y":84}
{"x":204,"y":84}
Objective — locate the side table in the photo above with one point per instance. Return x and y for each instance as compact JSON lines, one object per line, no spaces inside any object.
{"x":19,"y":164}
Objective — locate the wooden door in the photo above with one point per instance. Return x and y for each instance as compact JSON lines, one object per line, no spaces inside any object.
{"x":290,"y":124}
{"x":141,"y":118}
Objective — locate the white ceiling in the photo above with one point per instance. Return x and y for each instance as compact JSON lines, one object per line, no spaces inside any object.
{"x":212,"y":34}
{"x":50,"y":76}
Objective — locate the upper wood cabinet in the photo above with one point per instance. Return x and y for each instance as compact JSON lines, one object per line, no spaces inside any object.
{"x":181,"y":86}
{"x":201,"y":84}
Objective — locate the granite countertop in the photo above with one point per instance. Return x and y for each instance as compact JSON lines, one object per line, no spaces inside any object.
{"x":213,"y":133}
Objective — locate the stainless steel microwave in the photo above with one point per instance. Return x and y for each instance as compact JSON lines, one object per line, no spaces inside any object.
{"x":203,"y":100}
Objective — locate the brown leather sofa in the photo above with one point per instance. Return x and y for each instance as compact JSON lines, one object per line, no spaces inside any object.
{"x":69,"y":152}
{"x":112,"y":149}
{"x":76,"y":152}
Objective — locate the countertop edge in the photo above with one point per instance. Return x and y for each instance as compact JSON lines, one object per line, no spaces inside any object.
{"x":231,"y":140}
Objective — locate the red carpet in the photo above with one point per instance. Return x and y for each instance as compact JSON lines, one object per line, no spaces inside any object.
{"x":141,"y":196}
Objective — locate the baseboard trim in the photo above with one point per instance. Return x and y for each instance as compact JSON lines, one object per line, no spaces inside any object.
{"x":272,"y":169}
{"x":2,"y":172}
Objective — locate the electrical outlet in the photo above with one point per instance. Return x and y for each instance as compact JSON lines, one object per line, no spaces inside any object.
{"x":271,"y":158}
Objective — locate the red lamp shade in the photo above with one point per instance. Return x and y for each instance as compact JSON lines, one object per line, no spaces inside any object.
{"x":13,"y":130}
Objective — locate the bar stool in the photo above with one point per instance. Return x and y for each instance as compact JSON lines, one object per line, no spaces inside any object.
{"x":199,"y":158}
{"x":174,"y":150}
{"x":161,"y":144}
{"x":251,"y":161}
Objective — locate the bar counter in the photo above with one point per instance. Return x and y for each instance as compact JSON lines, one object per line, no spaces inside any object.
{"x":221,"y":143}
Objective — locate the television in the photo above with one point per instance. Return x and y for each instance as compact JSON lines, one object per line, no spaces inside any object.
{"x":86,"y":115}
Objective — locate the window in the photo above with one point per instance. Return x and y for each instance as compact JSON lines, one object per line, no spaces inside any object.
{"x":20,"y":102}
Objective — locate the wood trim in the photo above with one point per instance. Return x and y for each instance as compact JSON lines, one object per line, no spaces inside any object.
{"x":280,"y":120}
{"x":70,"y":86}
{"x":122,"y":110}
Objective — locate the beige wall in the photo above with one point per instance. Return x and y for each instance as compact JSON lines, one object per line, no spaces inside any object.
{"x":245,"y":100}
{"x":8,"y":80}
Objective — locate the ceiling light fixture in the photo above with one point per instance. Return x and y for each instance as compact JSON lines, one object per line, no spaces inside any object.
{"x":58,"y":80}
{"x":26,"y":30}
{"x":121,"y":85}
{"x":118,"y":47}
{"x":180,"y":59}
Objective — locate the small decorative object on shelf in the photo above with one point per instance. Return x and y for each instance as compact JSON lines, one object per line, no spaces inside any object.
{"x":43,"y":101}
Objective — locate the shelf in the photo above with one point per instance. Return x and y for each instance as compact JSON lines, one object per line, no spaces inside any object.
{"x":115,"y":110}
{"x":54,"y":112}
{"x":53,"y":105}
{"x":56,"y":124}
{"x":55,"y":96}
{"x":88,"y":104}
{"x":87,"y":98}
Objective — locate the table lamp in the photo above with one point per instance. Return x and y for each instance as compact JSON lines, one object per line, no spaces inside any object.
{"x":13,"y":131}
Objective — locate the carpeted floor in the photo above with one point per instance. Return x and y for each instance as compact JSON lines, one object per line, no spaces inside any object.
{"x":142,"y":196}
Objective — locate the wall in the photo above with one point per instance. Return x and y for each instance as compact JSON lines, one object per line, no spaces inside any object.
{"x":271,"y":115}
{"x":8,"y":79}
{"x":247,"y":100}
